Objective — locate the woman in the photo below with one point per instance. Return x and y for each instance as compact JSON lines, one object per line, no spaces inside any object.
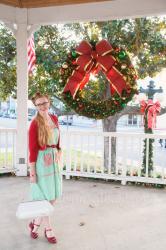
{"x":44,"y":156}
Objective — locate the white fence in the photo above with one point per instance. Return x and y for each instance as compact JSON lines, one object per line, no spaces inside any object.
{"x":83,"y":155}
{"x":7,"y":150}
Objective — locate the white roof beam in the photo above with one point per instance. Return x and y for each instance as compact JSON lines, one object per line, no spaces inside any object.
{"x":100,"y":11}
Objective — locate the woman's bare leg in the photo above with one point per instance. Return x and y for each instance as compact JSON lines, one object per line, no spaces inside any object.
{"x":47,"y":222}
{"x":37,"y":221}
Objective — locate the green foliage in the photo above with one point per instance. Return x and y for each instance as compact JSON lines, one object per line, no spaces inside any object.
{"x":7,"y":63}
{"x":147,"y":144}
{"x":50,"y":50}
{"x":143,"y":38}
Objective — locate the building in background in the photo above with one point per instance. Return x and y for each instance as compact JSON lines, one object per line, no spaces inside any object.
{"x":9,"y":108}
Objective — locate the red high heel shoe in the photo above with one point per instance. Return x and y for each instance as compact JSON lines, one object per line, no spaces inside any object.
{"x":52,"y":239}
{"x":34,"y":235}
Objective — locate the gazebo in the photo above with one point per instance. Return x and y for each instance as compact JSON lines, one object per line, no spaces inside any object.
{"x":24,"y":17}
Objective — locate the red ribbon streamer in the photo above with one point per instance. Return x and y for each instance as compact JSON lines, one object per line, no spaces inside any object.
{"x":152,"y":110}
{"x":92,"y":61}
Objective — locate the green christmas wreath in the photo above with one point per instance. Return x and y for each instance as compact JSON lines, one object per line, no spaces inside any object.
{"x":89,"y":97}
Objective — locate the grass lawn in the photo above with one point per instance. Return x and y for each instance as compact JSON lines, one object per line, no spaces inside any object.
{"x":6,"y":162}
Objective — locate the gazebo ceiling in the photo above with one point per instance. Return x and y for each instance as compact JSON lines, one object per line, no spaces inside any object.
{"x":47,"y":12}
{"x":43,"y":3}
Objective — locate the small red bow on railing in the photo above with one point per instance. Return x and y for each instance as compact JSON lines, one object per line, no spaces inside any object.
{"x":152,"y":110}
{"x":92,"y":61}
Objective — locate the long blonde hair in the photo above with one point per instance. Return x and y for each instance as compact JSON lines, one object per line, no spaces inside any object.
{"x":44,"y":131}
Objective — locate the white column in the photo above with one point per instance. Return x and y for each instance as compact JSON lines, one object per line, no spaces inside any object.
{"x":22,"y":99}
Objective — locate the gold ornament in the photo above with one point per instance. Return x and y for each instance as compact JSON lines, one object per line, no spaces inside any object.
{"x":64,"y":66}
{"x":123,"y":66}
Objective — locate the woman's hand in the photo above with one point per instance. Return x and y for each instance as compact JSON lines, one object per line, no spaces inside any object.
{"x":58,"y":156}
{"x":33,"y":178}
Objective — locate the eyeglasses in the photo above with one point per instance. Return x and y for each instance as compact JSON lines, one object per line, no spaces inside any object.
{"x":41,"y":104}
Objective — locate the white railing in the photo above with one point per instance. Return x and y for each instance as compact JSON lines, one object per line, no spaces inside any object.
{"x":7,"y":150}
{"x":83,"y":155}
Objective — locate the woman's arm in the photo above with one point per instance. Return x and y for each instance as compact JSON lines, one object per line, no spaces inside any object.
{"x":33,"y":142}
{"x":33,"y":177}
{"x":33,"y":150}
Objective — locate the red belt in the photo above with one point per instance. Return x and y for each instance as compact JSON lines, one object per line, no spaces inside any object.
{"x":51,"y":146}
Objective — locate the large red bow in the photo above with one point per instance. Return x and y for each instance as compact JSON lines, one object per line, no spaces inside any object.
{"x":92,"y":61}
{"x":152,"y":110}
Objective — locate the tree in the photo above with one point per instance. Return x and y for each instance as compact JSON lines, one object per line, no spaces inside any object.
{"x":143,"y":38}
{"x":7,"y":63}
{"x":50,"y":51}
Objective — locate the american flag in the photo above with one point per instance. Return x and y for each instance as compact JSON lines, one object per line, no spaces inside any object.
{"x":31,"y":55}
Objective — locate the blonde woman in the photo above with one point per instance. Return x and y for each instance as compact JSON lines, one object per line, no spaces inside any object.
{"x":44,"y":156}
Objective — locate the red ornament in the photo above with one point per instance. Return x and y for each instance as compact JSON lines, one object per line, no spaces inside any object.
{"x":80,"y":106}
{"x":74,"y":62}
{"x":117,"y":49}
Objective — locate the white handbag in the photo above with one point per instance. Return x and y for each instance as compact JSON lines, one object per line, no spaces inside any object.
{"x":33,"y":209}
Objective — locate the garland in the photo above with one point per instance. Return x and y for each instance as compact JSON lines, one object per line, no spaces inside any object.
{"x":150,"y":110}
{"x":112,"y":65}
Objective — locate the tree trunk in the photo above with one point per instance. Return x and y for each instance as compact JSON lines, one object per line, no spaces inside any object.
{"x":109,"y":125}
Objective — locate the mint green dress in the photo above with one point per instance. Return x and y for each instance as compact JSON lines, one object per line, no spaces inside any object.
{"x":49,"y":174}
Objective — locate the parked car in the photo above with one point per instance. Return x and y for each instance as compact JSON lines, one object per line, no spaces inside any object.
{"x":5,"y":115}
{"x":13,"y":116}
{"x":30,"y":117}
{"x":65,"y":120}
